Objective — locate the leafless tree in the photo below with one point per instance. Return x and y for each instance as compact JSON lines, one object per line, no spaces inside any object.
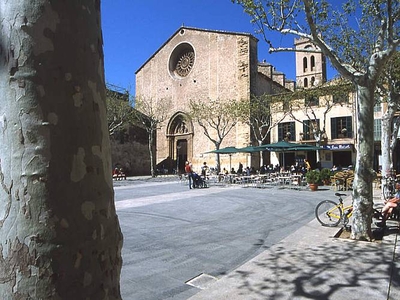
{"x":119,"y":109}
{"x":217,"y":118}
{"x":151,"y":113}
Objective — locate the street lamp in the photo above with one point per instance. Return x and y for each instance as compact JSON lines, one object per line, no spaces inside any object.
{"x":177,"y":158}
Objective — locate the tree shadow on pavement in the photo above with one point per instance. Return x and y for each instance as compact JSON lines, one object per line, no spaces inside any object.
{"x":338,"y":269}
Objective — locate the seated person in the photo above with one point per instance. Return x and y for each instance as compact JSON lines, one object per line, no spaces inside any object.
{"x":115,"y":173}
{"x":223,"y":173}
{"x":263,"y":169}
{"x":248,"y":171}
{"x":122,"y":174}
{"x":389,"y":206}
{"x":118,"y":173}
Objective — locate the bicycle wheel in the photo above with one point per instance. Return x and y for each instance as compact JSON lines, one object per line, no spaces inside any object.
{"x":328,"y":213}
{"x":387,"y":191}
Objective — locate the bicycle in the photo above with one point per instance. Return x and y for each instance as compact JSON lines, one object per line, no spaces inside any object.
{"x":330,"y":213}
{"x":388,"y":187}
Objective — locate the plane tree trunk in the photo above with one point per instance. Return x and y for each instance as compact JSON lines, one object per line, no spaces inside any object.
{"x":364,"y":173}
{"x":387,"y":159}
{"x":59,"y":232}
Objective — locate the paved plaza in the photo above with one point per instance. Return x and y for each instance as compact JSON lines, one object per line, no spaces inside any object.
{"x":234,"y":242}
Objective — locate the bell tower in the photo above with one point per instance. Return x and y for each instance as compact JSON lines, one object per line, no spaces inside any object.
{"x":310,"y":64}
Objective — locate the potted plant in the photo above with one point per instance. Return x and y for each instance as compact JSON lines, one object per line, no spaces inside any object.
{"x":325,"y":175}
{"x":313,"y":177}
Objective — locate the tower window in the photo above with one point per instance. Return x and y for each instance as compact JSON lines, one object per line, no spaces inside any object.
{"x":305,"y":82}
{"x":312,"y":63}
{"x":305,"y":64}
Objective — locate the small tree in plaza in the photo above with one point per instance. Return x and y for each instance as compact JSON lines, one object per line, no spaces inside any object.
{"x":358,"y":37}
{"x":151,"y":113}
{"x":217,"y":118}
{"x":257,"y":114}
{"x":119,"y":109}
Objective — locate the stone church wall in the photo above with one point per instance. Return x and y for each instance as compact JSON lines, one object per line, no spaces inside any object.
{"x":220,"y":66}
{"x":223,"y":69}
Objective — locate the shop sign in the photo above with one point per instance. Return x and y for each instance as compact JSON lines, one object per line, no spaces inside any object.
{"x":339,"y":147}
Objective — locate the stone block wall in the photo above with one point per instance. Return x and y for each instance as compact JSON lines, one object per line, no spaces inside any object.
{"x":129,"y":150}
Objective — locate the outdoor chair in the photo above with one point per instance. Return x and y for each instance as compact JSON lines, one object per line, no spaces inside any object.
{"x":338,"y":181}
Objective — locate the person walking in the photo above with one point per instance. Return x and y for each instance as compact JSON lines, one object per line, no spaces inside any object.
{"x":189,"y":171}
{"x":307,"y":165}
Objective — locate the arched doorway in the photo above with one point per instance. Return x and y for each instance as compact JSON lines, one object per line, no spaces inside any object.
{"x":180,"y":136}
{"x":181,"y":155}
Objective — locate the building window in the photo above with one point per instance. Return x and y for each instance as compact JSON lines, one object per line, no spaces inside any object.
{"x":341,"y":128}
{"x":312,"y":81}
{"x":305,"y":82}
{"x":311,"y":101}
{"x":286,"y":131}
{"x":377,"y":106}
{"x":377,"y":129}
{"x":305,"y":64}
{"x":312,"y":63}
{"x":309,"y":126}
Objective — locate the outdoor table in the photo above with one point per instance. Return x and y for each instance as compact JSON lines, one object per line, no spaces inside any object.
{"x":261,"y":180}
{"x":295,"y":180}
{"x":284,"y":178}
{"x":248,"y":180}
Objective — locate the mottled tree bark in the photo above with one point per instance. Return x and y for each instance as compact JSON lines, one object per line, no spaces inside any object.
{"x":386,"y":136}
{"x":59,"y":232}
{"x":364,"y":173}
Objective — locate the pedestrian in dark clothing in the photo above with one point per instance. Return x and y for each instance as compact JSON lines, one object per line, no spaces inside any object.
{"x":189,"y":171}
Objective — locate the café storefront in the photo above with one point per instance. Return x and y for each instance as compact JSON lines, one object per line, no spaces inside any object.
{"x":340,"y":155}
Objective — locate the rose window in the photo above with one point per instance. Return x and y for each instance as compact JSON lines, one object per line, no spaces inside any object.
{"x":182,"y":60}
{"x":185,"y":64}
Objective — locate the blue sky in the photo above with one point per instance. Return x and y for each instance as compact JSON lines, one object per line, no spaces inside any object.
{"x":134,"y":29}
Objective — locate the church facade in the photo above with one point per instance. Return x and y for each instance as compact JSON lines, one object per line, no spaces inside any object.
{"x":196,"y":64}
